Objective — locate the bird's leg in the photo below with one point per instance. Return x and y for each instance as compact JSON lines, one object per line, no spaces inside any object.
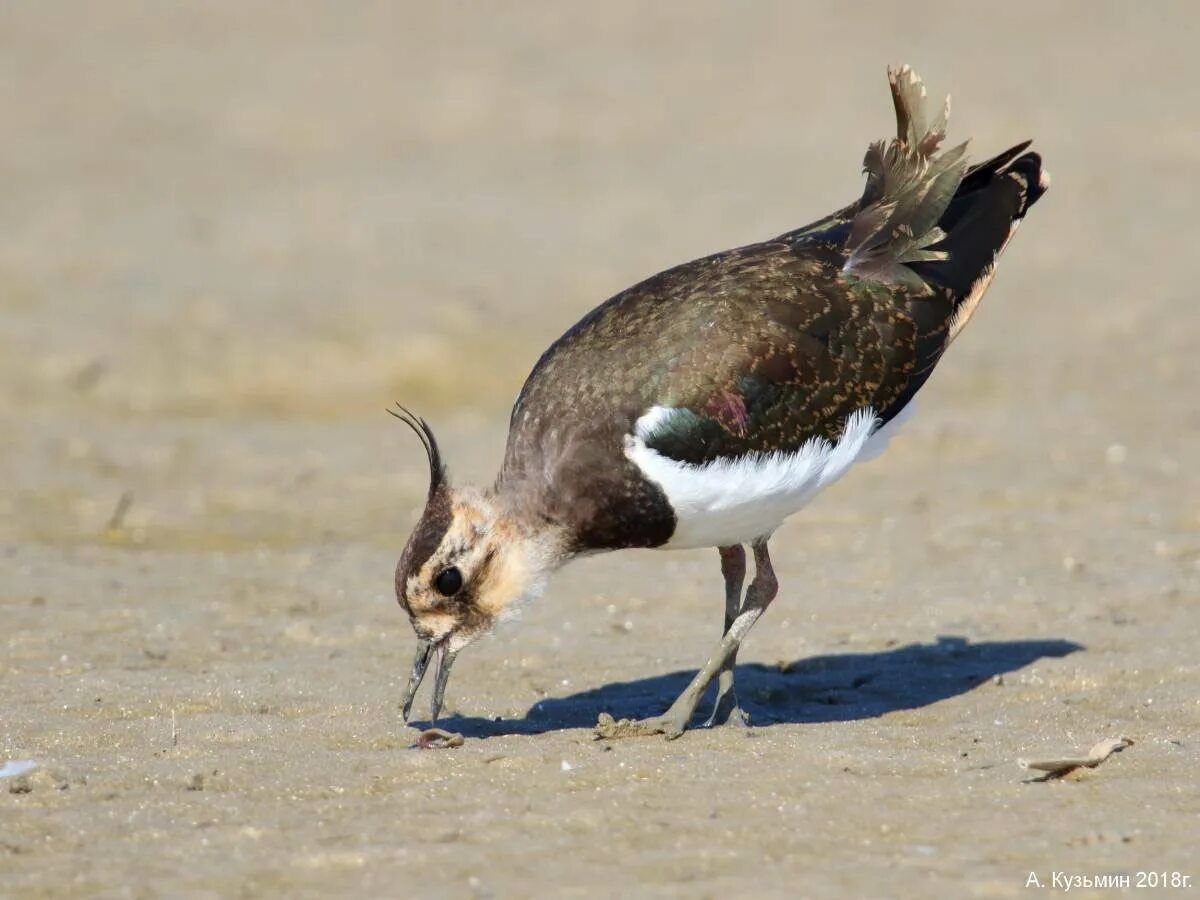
{"x":675,"y":720}
{"x":733,"y":569}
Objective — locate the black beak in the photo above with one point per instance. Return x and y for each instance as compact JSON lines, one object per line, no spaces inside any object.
{"x":445,"y":659}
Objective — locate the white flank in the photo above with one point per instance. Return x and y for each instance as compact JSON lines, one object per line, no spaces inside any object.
{"x":735,"y":501}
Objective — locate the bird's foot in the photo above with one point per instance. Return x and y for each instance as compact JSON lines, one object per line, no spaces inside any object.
{"x":669,"y":725}
{"x":731,"y":715}
{"x":725,"y":709}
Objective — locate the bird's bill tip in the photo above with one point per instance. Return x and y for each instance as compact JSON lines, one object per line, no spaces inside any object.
{"x":420,"y":665}
{"x":445,"y":659}
{"x":427,"y":650}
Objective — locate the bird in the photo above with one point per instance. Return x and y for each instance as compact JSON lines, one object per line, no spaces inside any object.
{"x":708,"y":403}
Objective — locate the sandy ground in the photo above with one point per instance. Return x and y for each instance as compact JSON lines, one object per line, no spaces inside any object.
{"x":232,"y":233}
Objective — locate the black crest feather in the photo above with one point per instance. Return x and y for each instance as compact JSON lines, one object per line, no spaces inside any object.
{"x":437,"y":469}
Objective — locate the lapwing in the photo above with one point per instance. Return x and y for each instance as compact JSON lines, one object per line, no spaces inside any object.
{"x":705,"y":405}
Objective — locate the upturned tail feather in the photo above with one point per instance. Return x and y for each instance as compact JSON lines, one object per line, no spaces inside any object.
{"x":925,"y":219}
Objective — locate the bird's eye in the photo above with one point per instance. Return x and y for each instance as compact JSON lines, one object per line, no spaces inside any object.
{"x":448,"y":582}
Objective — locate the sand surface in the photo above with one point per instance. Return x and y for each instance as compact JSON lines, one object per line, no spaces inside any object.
{"x":232,"y":233}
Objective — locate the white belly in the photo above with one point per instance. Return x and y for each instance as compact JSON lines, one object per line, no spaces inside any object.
{"x":738,"y":501}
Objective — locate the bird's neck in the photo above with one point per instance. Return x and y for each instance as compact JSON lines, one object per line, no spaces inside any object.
{"x":540,"y":542}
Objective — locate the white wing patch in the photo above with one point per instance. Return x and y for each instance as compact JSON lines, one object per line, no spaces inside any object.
{"x":735,"y":501}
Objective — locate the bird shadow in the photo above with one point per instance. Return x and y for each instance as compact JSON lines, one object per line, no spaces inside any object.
{"x":837,"y":687}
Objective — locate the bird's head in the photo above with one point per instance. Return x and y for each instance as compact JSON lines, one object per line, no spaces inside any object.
{"x":468,"y":565}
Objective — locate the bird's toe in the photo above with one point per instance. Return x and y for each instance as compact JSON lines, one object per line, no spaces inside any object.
{"x":608,"y":728}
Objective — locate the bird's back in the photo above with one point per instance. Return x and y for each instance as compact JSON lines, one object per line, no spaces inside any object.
{"x":769,"y":346}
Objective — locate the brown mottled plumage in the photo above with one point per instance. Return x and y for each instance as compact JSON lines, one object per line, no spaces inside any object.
{"x":767,"y":349}
{"x":767,"y":346}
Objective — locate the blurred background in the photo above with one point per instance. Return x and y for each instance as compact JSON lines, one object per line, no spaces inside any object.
{"x":231,"y":234}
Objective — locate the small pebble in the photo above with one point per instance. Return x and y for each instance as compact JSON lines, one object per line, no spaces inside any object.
{"x":17,"y":767}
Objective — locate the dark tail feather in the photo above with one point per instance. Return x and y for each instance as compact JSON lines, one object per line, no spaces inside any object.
{"x":980,"y":174}
{"x":983,"y":215}
{"x":978,"y":222}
